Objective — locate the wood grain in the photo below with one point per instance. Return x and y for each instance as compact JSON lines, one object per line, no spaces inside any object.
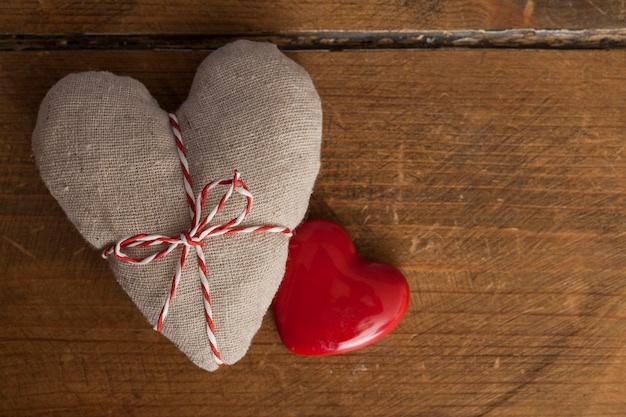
{"x":248,"y":16}
{"x":495,"y":180}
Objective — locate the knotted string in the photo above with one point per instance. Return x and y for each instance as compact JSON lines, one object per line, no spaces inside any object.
{"x":194,"y":236}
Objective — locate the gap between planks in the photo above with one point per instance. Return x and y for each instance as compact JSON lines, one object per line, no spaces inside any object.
{"x":329,"y":40}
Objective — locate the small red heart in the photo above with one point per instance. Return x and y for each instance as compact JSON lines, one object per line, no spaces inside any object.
{"x":332,"y":300}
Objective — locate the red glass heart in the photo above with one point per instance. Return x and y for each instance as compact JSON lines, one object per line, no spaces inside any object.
{"x":332,"y":300}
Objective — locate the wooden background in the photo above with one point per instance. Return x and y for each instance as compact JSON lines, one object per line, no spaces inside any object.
{"x":494,"y":178}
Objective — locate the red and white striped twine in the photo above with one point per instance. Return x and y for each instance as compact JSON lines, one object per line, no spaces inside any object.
{"x":198,"y":231}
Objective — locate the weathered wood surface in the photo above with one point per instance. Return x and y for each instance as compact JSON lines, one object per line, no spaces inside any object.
{"x":495,"y":180}
{"x":250,"y":16}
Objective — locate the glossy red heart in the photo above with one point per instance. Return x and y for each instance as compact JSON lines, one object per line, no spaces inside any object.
{"x":332,"y":300}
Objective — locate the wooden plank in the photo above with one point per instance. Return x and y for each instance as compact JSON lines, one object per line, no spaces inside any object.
{"x":248,"y":16}
{"x":495,"y":180}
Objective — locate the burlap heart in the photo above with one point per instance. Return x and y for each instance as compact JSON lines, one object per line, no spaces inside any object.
{"x":106,"y":151}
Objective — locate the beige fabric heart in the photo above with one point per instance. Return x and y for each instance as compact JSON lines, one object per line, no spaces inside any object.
{"x":106,"y":151}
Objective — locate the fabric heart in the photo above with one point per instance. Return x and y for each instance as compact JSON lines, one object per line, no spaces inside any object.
{"x":107,"y":153}
{"x":332,"y":300}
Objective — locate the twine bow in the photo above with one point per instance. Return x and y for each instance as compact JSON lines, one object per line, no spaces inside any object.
{"x":194,"y":236}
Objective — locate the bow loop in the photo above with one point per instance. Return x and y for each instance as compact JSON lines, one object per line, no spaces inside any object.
{"x":199,"y":229}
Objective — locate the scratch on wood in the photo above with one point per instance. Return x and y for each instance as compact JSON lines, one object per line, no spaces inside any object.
{"x":78,"y":251}
{"x":19,"y":247}
{"x":529,"y":9}
{"x":596,"y":7}
{"x":414,"y":245}
{"x":512,"y":393}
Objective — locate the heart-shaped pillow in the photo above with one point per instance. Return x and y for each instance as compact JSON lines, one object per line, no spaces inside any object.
{"x":107,"y":153}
